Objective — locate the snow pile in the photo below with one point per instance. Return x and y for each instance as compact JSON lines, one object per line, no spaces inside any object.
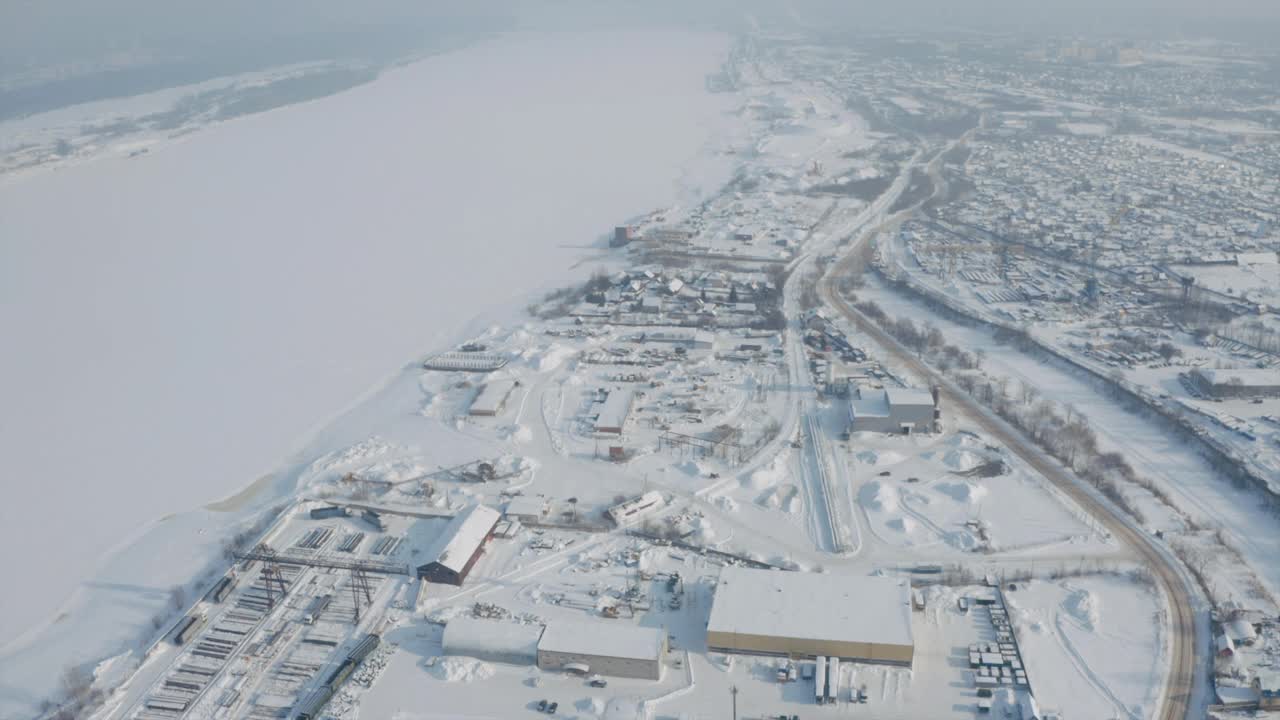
{"x":726,"y":504}
{"x":703,"y":532}
{"x":784,"y":497}
{"x":1083,"y":606}
{"x":878,"y":496}
{"x":549,"y":358}
{"x":460,"y":669}
{"x":902,"y":524}
{"x":767,"y":476}
{"x":519,"y":434}
{"x":593,"y":706}
{"x":878,"y":459}
{"x":961,"y":460}
{"x":362,"y":451}
{"x":965,"y":492}
{"x":395,"y":471}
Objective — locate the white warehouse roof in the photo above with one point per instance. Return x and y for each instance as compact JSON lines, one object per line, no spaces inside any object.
{"x":611,"y":639}
{"x":464,"y":533}
{"x":900,"y":397}
{"x":615,"y":409}
{"x":1249,"y":377}
{"x":812,"y":606}
{"x":492,"y":640}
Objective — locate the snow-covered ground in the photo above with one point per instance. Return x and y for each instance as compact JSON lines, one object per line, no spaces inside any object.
{"x":1091,"y":645}
{"x":184,"y":319}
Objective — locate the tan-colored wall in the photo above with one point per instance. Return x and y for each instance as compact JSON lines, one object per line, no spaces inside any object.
{"x":795,"y":647}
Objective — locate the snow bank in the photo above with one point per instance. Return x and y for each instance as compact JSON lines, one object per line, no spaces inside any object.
{"x":460,"y":669}
{"x":970,"y":493}
{"x":878,"y":496}
{"x":1083,"y":606}
{"x":878,"y":459}
{"x":961,"y":460}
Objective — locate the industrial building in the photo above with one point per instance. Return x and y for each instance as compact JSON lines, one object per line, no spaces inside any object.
{"x":492,"y":398}
{"x":612,"y":648}
{"x":614,"y":412}
{"x":460,"y":545}
{"x":892,"y":410}
{"x":629,"y":511}
{"x":797,"y":614}
{"x":528,"y":509}
{"x":1251,"y":382}
{"x":492,"y":640}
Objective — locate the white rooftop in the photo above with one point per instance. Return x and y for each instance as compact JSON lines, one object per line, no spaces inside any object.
{"x":870,"y":403}
{"x":472,"y":637}
{"x":1251,"y":377}
{"x":812,"y":606}
{"x":463,"y":535}
{"x":908,"y":396}
{"x":611,"y":639}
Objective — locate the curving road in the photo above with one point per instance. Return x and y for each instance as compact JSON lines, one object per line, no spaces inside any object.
{"x":1179,"y":700}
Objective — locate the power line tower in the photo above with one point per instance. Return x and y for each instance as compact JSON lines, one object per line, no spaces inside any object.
{"x":272,"y":576}
{"x":360,"y":585}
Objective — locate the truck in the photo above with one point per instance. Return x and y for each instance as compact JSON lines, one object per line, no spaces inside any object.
{"x":820,"y":680}
{"x":833,"y":679}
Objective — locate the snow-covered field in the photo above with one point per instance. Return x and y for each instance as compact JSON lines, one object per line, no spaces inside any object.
{"x":184,"y":319}
{"x":1091,"y":645}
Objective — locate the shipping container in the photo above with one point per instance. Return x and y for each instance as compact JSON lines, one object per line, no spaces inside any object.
{"x":187,"y":628}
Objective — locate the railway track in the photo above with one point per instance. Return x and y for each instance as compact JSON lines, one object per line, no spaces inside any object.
{"x":1177,"y":700}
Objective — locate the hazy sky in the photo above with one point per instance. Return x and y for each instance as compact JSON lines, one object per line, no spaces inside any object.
{"x":42,"y":27}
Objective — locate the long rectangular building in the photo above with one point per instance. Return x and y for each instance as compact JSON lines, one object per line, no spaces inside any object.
{"x":614,"y":411}
{"x":607,"y":648}
{"x":797,"y":614}
{"x":460,"y":545}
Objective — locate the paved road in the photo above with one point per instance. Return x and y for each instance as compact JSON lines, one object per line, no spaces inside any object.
{"x":1177,"y":702}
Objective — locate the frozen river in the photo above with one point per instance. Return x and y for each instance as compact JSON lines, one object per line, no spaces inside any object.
{"x":177,"y":324}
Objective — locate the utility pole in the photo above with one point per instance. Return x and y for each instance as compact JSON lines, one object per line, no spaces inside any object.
{"x":733,"y":693}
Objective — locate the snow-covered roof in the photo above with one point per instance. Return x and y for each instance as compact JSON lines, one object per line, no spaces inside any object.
{"x":612,"y":639}
{"x":812,"y":606}
{"x":463,"y":535}
{"x":492,"y":396}
{"x":527,"y":506}
{"x":1250,"y":377}
{"x":614,"y":409}
{"x":488,"y":639}
{"x":902,"y":397}
{"x":874,"y":403}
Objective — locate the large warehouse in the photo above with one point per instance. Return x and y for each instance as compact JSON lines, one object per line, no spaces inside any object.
{"x":1250,"y":382}
{"x":492,"y":640}
{"x":612,"y":648}
{"x":796,"y":614}
{"x":892,"y":410}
